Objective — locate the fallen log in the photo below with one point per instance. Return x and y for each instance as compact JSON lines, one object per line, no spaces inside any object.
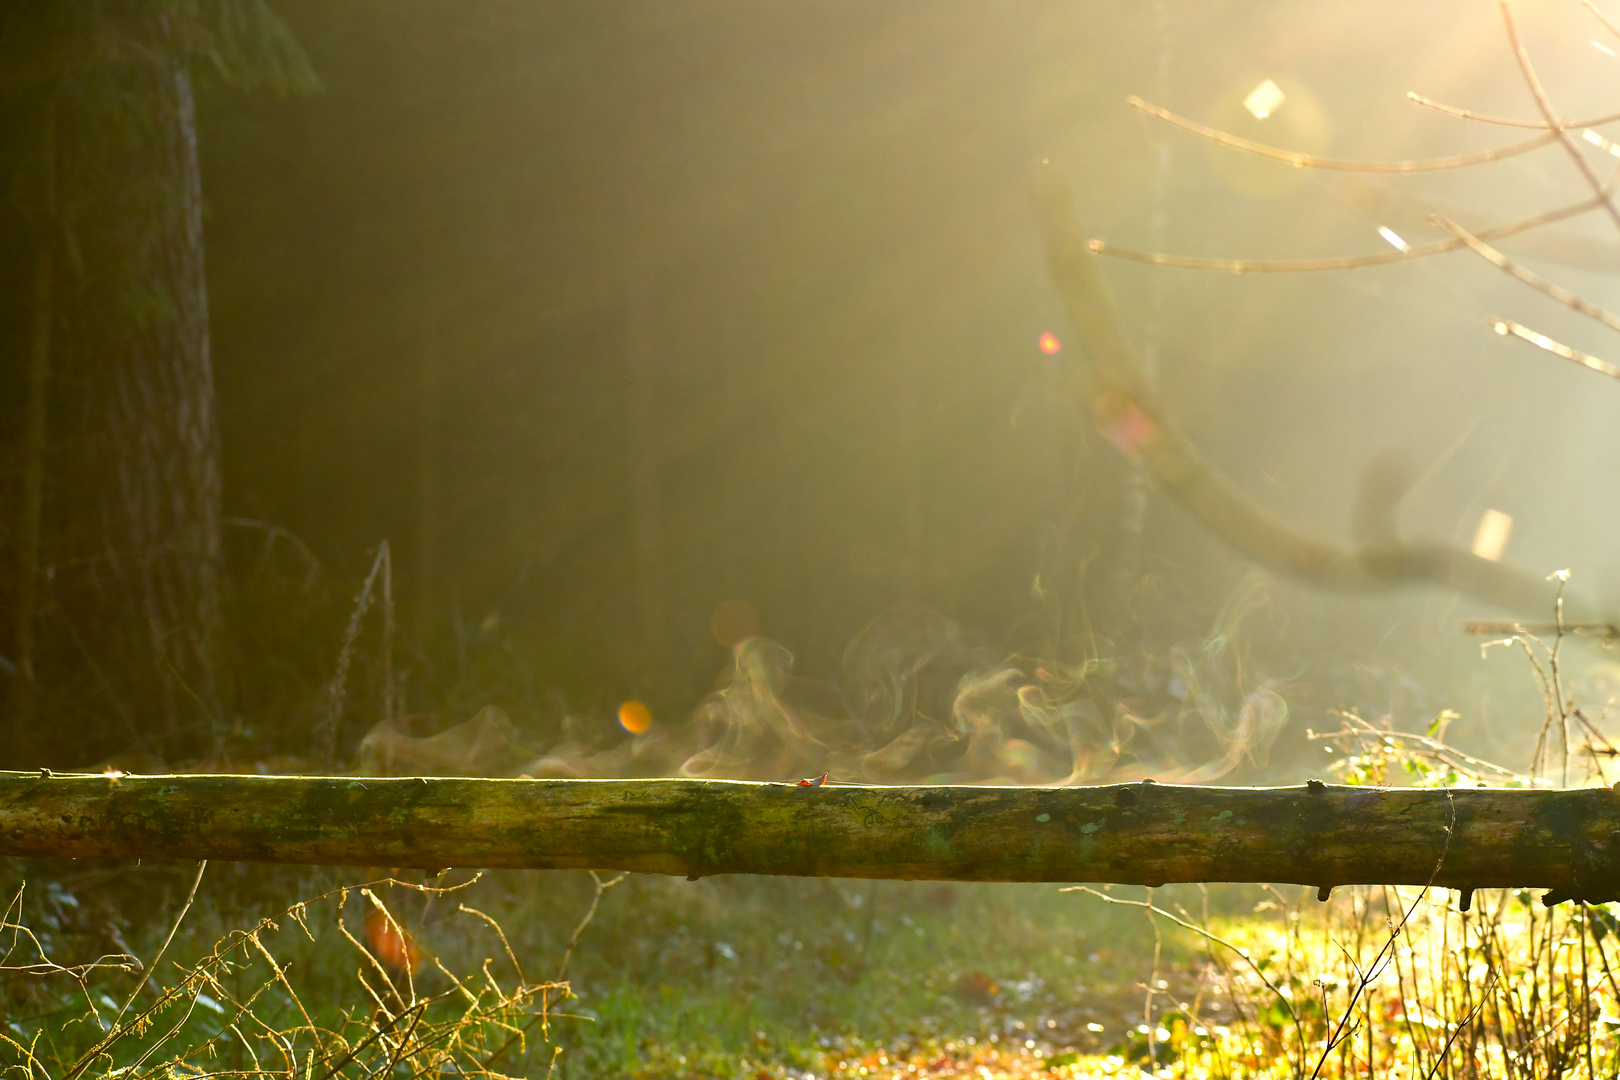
{"x":1567,"y":842}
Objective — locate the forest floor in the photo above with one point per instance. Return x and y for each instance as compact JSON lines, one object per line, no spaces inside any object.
{"x":723,"y":977}
{"x":305,"y":974}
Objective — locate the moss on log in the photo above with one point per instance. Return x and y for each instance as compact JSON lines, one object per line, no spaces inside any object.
{"x":1142,"y":834}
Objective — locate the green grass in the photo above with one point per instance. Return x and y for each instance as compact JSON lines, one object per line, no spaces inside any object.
{"x":783,"y":971}
{"x":719,"y":977}
{"x":761,"y":977}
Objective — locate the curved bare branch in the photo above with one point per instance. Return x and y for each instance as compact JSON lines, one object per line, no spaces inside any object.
{"x":1533,"y":82}
{"x":1528,"y":277}
{"x":1130,"y":415}
{"x":1608,"y":24}
{"x":1502,"y":121}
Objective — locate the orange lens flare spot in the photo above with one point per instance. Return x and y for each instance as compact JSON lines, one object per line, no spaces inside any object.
{"x":1049,"y":344}
{"x":1123,"y":423}
{"x":392,"y":944}
{"x":635,"y":717}
{"x":734,"y":621}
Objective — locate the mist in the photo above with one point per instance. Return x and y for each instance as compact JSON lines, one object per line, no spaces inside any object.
{"x":620,"y":321}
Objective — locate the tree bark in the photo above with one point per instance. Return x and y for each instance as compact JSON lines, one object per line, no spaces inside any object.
{"x":137,"y":497}
{"x":24,"y":691}
{"x":1132,"y":834}
{"x":160,"y":409}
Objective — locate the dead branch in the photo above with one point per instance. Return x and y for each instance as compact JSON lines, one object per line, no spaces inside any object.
{"x":1131,"y":415}
{"x":1145,"y":834}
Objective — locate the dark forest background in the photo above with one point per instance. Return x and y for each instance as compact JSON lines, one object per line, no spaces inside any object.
{"x":606,"y":315}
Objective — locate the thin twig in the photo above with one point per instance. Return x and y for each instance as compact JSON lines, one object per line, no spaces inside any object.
{"x":1606,"y":630}
{"x":327,"y":738}
{"x":1502,"y":121}
{"x":590,"y":913}
{"x":510,"y":955}
{"x":1534,"y":280}
{"x":1311,"y":161}
{"x":1507,"y":327}
{"x":1394,"y":935}
{"x":191,"y":898}
{"x":1600,"y":17}
{"x":1344,"y":262}
{"x":543,"y":1017}
{"x":117,"y":1030}
{"x":1442,"y":750}
{"x":274,"y":532}
{"x":1457,"y":1029}
{"x":1210,"y":935}
{"x":1533,"y":81}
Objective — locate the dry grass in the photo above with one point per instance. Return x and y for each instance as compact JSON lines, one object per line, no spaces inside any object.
{"x":1393,"y":981}
{"x":245,"y":1009}
{"x":1418,"y":983}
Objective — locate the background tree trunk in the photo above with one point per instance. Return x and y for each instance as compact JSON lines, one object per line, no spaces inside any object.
{"x":23,"y":693}
{"x":162,"y":508}
{"x":136,"y":497}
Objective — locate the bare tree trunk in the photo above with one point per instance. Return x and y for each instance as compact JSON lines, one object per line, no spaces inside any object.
{"x":160,"y":411}
{"x":164,"y":426}
{"x":139,"y":498}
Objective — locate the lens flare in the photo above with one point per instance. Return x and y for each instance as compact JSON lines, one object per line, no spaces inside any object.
{"x":635,"y":717}
{"x":1264,"y":100}
{"x":1049,"y":344}
{"x":1393,"y":238}
{"x":391,"y":943}
{"x":1124,"y":423}
{"x":1491,"y":538}
{"x":734,"y":621}
{"x":1258,"y":113}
